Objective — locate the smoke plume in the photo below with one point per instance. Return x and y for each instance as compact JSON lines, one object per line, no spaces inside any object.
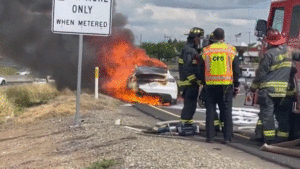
{"x":27,"y":39}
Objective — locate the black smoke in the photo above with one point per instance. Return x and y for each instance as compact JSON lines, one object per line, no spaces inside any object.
{"x":27,"y":39}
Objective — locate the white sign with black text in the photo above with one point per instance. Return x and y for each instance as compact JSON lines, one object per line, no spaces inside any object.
{"x":87,"y":17}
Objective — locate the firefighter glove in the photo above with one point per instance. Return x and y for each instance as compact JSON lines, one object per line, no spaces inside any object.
{"x":252,"y":89}
{"x":236,"y":90}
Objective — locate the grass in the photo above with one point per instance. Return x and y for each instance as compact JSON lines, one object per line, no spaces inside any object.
{"x":32,"y":102}
{"x":30,"y":94}
{"x":8,"y":71}
{"x":14,"y":99}
{"x":102,"y":164}
{"x":7,"y":108}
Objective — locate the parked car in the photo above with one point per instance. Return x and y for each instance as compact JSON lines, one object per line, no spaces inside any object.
{"x":154,"y":81}
{"x":26,"y":72}
{"x":50,"y":79}
{"x":248,"y":72}
{"x":2,"y":81}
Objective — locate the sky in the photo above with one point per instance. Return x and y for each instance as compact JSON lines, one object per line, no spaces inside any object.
{"x":152,"y":20}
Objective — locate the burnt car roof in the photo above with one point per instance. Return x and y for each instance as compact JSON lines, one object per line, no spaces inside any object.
{"x":150,"y":70}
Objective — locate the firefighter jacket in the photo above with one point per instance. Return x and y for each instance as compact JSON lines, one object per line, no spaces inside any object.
{"x":220,"y":67}
{"x":189,"y":72}
{"x":273,"y":72}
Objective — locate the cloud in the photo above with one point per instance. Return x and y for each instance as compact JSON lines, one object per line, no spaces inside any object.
{"x":206,"y":4}
{"x":175,"y":18}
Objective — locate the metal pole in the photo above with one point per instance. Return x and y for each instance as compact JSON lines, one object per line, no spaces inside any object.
{"x":77,"y":116}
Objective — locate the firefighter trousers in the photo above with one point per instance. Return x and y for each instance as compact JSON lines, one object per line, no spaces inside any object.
{"x":281,"y":107}
{"x":190,"y":96}
{"x":221,"y":95}
{"x":217,"y":122}
{"x":295,"y":126}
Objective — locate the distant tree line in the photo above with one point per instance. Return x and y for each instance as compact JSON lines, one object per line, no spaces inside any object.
{"x":166,"y":51}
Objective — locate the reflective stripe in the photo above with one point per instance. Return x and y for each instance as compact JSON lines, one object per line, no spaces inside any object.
{"x":282,"y":134}
{"x":188,"y":83}
{"x":180,"y":61}
{"x":280,"y":89}
{"x":219,"y":82}
{"x":219,"y":78}
{"x":194,"y":62}
{"x":277,"y":94}
{"x":259,"y":123}
{"x":184,"y":83}
{"x":191,"y":77}
{"x":281,"y":65}
{"x":269,"y":133}
{"x":222,"y":124}
{"x":186,"y":121}
{"x":273,"y":84}
{"x":216,"y":123}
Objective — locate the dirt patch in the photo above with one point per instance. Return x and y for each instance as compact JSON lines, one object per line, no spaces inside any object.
{"x":44,"y":136}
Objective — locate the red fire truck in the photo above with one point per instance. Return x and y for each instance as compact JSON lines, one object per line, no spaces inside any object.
{"x":284,"y":16}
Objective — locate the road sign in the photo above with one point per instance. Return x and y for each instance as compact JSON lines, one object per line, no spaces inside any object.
{"x":85,"y":17}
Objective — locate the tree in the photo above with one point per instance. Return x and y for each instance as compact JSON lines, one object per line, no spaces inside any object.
{"x":164,"y":50}
{"x":175,"y":41}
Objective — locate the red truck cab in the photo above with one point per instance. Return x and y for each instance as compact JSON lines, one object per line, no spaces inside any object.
{"x":284,"y":16}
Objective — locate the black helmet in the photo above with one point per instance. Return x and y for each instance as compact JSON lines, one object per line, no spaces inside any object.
{"x":196,"y":32}
{"x":212,"y":38}
{"x":219,"y":34}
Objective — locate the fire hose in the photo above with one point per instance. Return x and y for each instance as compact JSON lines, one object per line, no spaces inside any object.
{"x":281,"y":148}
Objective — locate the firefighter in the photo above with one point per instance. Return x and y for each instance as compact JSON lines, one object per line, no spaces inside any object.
{"x":221,"y":69}
{"x":189,"y":75}
{"x":217,"y":123}
{"x":272,"y":79}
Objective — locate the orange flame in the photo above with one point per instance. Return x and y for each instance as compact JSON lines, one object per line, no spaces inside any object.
{"x":119,"y":63}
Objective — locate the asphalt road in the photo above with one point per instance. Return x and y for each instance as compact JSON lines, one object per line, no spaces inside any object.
{"x":243,"y":133}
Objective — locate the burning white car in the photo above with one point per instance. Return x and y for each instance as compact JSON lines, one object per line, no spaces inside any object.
{"x":154,"y":81}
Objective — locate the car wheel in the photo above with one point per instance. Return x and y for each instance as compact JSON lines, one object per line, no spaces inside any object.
{"x":3,"y":83}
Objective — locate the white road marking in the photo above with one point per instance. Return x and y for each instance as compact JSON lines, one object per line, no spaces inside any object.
{"x":241,"y":136}
{"x":165,"y":111}
{"x":132,"y":128}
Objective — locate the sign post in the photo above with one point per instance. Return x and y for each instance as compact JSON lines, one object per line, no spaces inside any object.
{"x":81,"y":17}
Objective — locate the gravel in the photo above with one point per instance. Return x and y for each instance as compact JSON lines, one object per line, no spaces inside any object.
{"x":56,"y":143}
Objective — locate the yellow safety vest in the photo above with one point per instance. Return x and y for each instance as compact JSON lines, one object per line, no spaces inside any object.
{"x":218,"y":59}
